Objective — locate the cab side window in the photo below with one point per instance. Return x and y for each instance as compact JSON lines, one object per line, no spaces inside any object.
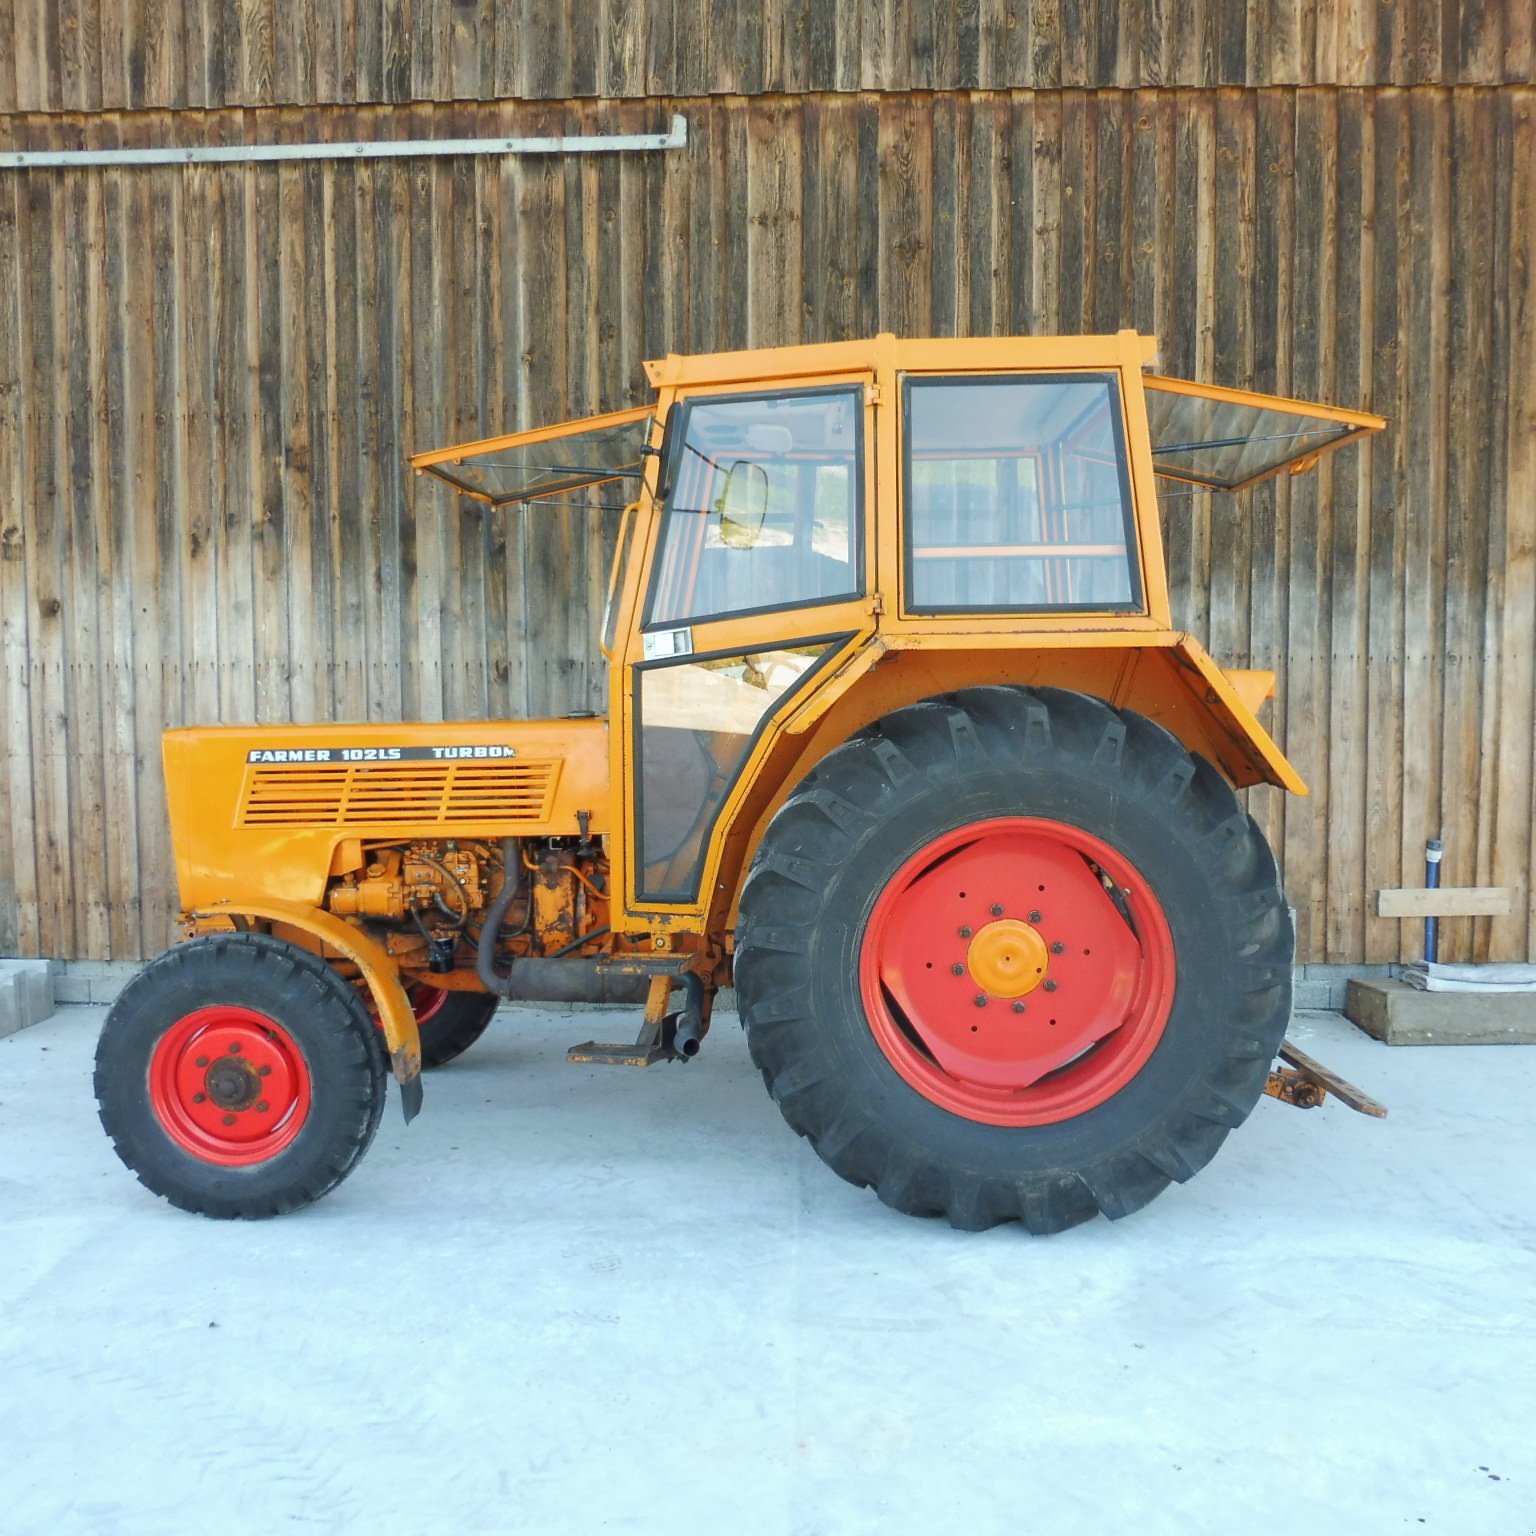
{"x":1016,"y":496}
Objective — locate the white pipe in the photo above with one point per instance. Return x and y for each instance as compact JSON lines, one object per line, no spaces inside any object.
{"x":373,"y":149}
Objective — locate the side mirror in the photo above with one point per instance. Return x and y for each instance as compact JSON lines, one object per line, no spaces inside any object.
{"x":743,"y":504}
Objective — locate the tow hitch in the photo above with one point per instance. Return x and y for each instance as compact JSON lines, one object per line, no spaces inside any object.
{"x":1306,"y":1083}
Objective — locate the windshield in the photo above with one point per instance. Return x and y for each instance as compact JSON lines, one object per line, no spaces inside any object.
{"x":761,"y":504}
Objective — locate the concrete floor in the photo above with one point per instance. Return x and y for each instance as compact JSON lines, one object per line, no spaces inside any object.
{"x":577,"y":1299}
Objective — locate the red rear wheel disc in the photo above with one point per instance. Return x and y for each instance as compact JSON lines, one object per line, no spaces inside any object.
{"x":229,"y":1085}
{"x":1002,"y":980}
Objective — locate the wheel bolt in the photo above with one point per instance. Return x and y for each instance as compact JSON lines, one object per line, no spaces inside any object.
{"x":234,"y":1050}
{"x":981,"y":999}
{"x":957,"y":969}
{"x":997,"y":909}
{"x":1050,"y":986}
{"x":1034,"y":917}
{"x":263,"y":1071}
{"x":965,"y":933}
{"x":199,"y":1098}
{"x":1018,"y":1007}
{"x":202,"y":1061}
{"x":1058,"y":948}
{"x":261,"y":1108}
{"x":229,"y":1119}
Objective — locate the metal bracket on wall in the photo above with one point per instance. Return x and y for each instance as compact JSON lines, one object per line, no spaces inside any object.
{"x":233,"y":154}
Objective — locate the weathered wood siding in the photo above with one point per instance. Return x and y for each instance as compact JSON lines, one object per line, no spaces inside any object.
{"x":208,"y":377}
{"x":94,"y":55}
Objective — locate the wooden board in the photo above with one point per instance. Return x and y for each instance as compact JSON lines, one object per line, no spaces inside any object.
{"x":1446,"y":901}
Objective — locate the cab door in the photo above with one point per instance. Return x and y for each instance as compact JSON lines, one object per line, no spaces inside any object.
{"x":758,"y":583}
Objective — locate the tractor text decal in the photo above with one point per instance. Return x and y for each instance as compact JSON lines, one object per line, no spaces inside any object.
{"x":371,"y":754}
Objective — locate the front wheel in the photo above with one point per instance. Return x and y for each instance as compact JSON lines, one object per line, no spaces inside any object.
{"x":239,"y":1076}
{"x":1013,"y":954}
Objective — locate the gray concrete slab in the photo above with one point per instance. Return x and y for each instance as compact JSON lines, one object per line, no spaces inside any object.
{"x":584,"y":1299}
{"x":26,"y":994}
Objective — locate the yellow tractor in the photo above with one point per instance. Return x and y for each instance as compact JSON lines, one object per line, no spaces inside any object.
{"x":901,"y":740}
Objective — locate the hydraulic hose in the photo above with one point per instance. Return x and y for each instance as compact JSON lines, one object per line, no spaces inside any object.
{"x":491,"y":979}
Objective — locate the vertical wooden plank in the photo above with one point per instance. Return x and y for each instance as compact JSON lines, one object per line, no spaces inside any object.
{"x":1386,"y":739}
{"x":1424,"y":286}
{"x":1105,"y":302}
{"x":19,"y":918}
{"x":1232,"y":229}
{"x":1349,"y":554}
{"x":1514,"y":835}
{"x":47,"y":563}
{"x":1503,"y":671}
{"x":1142,"y":214}
{"x":1074,"y":278}
{"x":906,"y":212}
{"x":1466,"y":549}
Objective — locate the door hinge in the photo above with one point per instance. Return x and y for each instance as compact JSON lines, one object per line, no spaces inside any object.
{"x":877,"y":605}
{"x":874,"y":395}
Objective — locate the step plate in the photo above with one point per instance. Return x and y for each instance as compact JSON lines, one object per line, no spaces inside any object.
{"x":632,"y":1055}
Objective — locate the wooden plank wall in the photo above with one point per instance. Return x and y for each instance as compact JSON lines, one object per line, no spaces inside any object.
{"x":105,"y":55}
{"x":208,"y":377}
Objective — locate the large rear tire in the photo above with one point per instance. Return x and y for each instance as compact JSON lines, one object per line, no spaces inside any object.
{"x":449,"y":1022}
{"x":1014,"y":954}
{"x":240,"y":1076}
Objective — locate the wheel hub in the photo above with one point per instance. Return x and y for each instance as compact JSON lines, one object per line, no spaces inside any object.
{"x":1008,"y":958}
{"x":229,"y":1085}
{"x":233,"y":1084}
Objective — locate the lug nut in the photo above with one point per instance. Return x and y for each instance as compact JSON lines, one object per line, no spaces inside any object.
{"x":957,"y":969}
{"x":229,"y":1119}
{"x":234,"y":1050}
{"x":997,"y":909}
{"x":261,"y":1108}
{"x":965,"y":933}
{"x":981,"y":999}
{"x":1018,"y":1007}
{"x":1034,"y":917}
{"x":263,"y":1071}
{"x":1058,"y":948}
{"x":1050,"y":986}
{"x":202,"y":1061}
{"x":199,"y":1098}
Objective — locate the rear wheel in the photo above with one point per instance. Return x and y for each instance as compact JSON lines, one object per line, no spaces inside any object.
{"x":240,"y":1076}
{"x":1013,"y":954}
{"x":449,"y":1022}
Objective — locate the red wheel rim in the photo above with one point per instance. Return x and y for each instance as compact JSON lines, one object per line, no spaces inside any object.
{"x":426,"y":1002}
{"x":1002,"y":980}
{"x":229,"y":1085}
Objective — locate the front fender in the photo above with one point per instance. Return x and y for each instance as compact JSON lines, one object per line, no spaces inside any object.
{"x":379,"y":972}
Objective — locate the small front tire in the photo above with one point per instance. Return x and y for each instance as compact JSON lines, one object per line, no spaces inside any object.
{"x":240,"y":1076}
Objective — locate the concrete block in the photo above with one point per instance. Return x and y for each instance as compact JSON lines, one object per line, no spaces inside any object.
{"x":1309,"y":994}
{"x":26,"y":994}
{"x":1402,"y":1015}
{"x":104,"y":989}
{"x":71,"y":989}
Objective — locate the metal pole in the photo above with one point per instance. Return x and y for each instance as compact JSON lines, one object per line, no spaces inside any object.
{"x":381,"y":149}
{"x":1433,"y":850}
